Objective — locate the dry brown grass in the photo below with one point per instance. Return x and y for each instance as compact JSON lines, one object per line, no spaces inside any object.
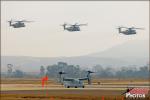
{"x":25,"y":81}
{"x":64,"y":97}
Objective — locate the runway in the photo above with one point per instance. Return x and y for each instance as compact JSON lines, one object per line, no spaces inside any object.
{"x":9,"y":87}
{"x":90,"y":92}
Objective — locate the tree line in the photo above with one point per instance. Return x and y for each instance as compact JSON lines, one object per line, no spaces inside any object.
{"x":75,"y":71}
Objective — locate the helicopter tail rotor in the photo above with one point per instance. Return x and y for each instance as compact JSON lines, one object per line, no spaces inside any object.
{"x":10,"y":21}
{"x":119,"y":29}
{"x":64,"y":26}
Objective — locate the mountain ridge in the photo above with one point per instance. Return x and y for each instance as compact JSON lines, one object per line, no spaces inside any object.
{"x":113,"y":57}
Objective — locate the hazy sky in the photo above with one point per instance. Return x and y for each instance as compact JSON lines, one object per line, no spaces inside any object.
{"x":46,"y":38}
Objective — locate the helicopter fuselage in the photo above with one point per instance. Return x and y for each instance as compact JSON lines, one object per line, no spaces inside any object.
{"x":72,"y":29}
{"x":128,"y":32}
{"x":74,"y":83}
{"x":18,"y":25}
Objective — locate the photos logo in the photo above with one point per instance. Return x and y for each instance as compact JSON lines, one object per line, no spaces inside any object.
{"x":137,"y":93}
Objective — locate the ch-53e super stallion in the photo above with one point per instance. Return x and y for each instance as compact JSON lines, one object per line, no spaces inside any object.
{"x":18,"y":23}
{"x":128,"y":30}
{"x":72,"y":27}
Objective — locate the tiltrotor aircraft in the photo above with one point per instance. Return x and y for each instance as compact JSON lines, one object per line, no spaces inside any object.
{"x":75,"y":82}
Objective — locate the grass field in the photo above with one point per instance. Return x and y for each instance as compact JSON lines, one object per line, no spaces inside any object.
{"x":70,"y":94}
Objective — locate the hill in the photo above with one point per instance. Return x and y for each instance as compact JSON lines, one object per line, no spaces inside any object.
{"x":131,"y":53}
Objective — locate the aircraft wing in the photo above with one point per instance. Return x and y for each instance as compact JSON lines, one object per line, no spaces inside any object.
{"x":81,"y":79}
{"x":68,"y":79}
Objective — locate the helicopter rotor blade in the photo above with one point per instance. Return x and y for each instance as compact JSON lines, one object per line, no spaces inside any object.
{"x":122,"y":27}
{"x":18,"y":21}
{"x":139,"y":28}
{"x":70,"y":24}
{"x":10,"y":20}
{"x":28,"y":21}
{"x":64,"y":23}
{"x":23,"y":21}
{"x":76,"y":24}
{"x":73,"y":24}
{"x":61,"y":72}
{"x":135,"y":28}
{"x":90,"y":71}
{"x":83,"y":24}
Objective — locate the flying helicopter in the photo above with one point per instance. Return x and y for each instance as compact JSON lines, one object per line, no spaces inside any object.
{"x":128,"y":30}
{"x":72,"y":27}
{"x":18,"y":23}
{"x":75,"y":82}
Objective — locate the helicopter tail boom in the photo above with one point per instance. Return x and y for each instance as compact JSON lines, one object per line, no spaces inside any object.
{"x":64,"y":26}
{"x":10,"y":23}
{"x":119,"y":29}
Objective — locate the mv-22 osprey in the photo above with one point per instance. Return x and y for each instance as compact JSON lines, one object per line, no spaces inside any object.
{"x":74,"y":82}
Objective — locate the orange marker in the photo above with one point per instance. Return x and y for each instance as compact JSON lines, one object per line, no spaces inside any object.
{"x":44,"y":79}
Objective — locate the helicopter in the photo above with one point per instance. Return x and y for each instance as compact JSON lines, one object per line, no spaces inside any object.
{"x":75,"y":82}
{"x":129,"y":30}
{"x":18,"y":24}
{"x":72,"y":27}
